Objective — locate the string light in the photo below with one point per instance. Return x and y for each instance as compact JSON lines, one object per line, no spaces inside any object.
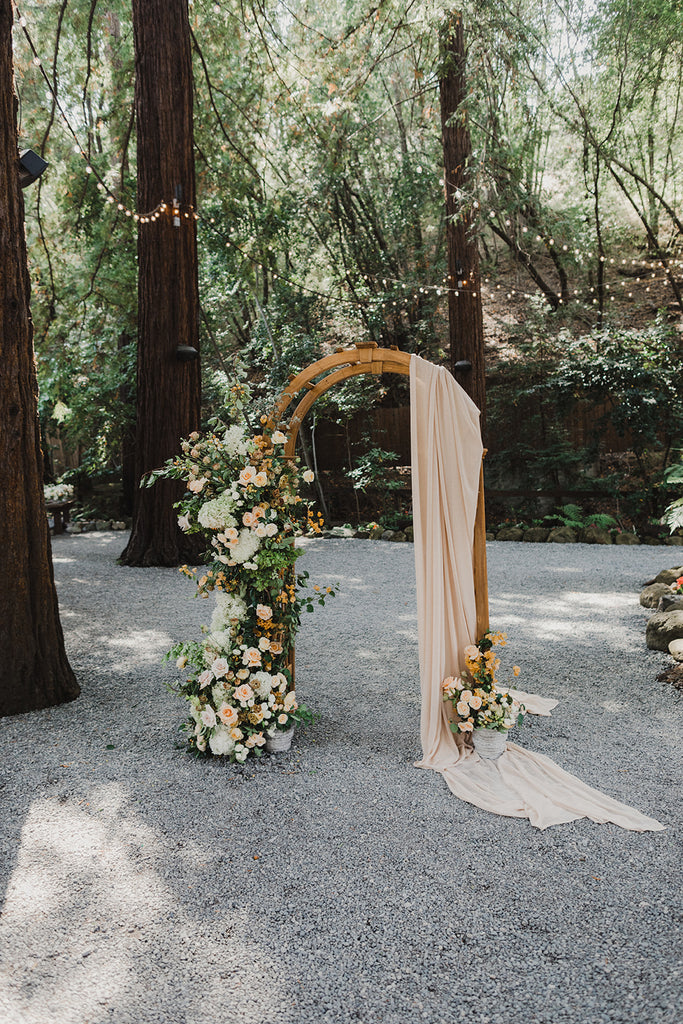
{"x":186,"y":211}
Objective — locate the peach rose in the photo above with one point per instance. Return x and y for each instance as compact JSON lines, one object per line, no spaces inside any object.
{"x":275,"y":647}
{"x":472,"y":652}
{"x":279,"y":438}
{"x":271,"y":529}
{"x":264,"y":612}
{"x":465,"y":726}
{"x":244,"y":693}
{"x":264,"y":643}
{"x":463,"y":708}
{"x":196,"y":485}
{"x":261,"y":530}
{"x":247,"y":475}
{"x":248,"y":518}
{"x":236,"y":734}
{"x":466,"y":695}
{"x":205,"y":678}
{"x":220,"y":668}
{"x":475,"y":703}
{"x":261,"y":479}
{"x":308,"y":475}
{"x":228,"y":715}
{"x":282,"y":719}
{"x":208,"y":716}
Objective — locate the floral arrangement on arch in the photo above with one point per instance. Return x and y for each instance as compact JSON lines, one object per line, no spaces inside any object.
{"x":677,"y":586}
{"x":242,"y":494}
{"x":476,"y":697}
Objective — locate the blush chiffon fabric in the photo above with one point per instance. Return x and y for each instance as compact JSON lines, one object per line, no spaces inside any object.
{"x":446,"y":461}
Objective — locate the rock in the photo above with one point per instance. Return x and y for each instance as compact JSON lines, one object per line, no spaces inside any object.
{"x":676,"y":649}
{"x":650,"y":595}
{"x":662,"y":628}
{"x":362,"y":534}
{"x":376,"y":532}
{"x":626,"y":538}
{"x":388,"y":534}
{"x":410,"y":533}
{"x":668,"y":575}
{"x":510,"y":533}
{"x":399,"y":536}
{"x":562,"y":535}
{"x":674,"y":542}
{"x":670,"y":602}
{"x":118,"y":525}
{"x":654,"y":542}
{"x":341,"y":531}
{"x":536,"y":535}
{"x":594,"y":535}
{"x":103,"y":524}
{"x":490,"y":535}
{"x":75,"y":528}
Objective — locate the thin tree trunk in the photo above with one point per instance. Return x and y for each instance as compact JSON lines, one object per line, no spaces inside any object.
{"x":34,"y":670}
{"x":168,"y":390}
{"x":466,"y":328}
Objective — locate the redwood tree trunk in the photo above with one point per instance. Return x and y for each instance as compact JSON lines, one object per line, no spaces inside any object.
{"x":168,"y":390}
{"x":34,"y":671}
{"x":466,"y":328}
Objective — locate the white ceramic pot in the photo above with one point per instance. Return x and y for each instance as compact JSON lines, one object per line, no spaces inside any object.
{"x":489,"y":743}
{"x":280,"y":741}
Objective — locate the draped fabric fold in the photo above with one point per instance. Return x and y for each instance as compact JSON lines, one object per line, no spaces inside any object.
{"x":446,"y":460}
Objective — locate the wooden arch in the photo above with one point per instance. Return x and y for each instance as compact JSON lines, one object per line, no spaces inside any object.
{"x":366,"y":357}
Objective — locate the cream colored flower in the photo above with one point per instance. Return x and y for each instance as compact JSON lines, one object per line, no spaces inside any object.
{"x":205,"y":678}
{"x":252,"y":657}
{"x":208,"y":716}
{"x":271,"y":529}
{"x":181,"y":662}
{"x":279,"y":438}
{"x":475,"y":702}
{"x":247,"y":475}
{"x":282,"y":719}
{"x":220,"y":667}
{"x":243,"y":673}
{"x":290,"y":701}
{"x":261,"y":479}
{"x":516,"y":670}
{"x":196,"y":485}
{"x":236,"y":734}
{"x":463,"y":708}
{"x":275,"y":647}
{"x":244,"y":693}
{"x":249,"y":518}
{"x":466,"y":695}
{"x":465,"y":726}
{"x":261,"y":530}
{"x":264,"y":612}
{"x":472,"y":652}
{"x":308,"y":475}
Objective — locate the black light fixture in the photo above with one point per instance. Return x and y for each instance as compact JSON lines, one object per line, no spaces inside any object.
{"x":186,"y":353}
{"x":463,"y":365}
{"x":31,"y":166}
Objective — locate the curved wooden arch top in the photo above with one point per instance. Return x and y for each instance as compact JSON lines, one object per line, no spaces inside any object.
{"x":367,"y":357}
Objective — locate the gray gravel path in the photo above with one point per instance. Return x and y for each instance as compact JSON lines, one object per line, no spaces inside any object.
{"x":337,"y":883}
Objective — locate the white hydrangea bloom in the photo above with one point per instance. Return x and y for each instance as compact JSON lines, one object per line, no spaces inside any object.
{"x":235,"y":442}
{"x":220,"y":741}
{"x":219,"y":640}
{"x":229,"y":607}
{"x":246,"y":546}
{"x":217,"y":513}
{"x":262,"y":683}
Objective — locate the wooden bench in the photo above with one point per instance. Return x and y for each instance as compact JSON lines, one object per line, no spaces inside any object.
{"x":59,"y":510}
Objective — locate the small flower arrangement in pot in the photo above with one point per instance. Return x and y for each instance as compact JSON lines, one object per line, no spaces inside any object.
{"x":481,"y":707}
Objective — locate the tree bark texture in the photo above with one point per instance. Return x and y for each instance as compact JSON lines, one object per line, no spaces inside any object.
{"x":168,"y":390}
{"x":466,"y":329}
{"x":34,"y":670}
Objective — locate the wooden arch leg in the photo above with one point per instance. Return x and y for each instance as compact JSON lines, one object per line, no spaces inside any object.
{"x":481,"y":582}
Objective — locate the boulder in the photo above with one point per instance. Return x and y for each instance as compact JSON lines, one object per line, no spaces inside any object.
{"x":536,"y":535}
{"x":668,"y":575}
{"x":510,"y":533}
{"x":650,"y":595}
{"x":594,"y":535}
{"x":626,"y":538}
{"x":120,"y":525}
{"x":674,"y":542}
{"x":410,"y":533}
{"x":398,"y":536}
{"x":676,"y":649}
{"x":662,"y":628}
{"x":388,"y":534}
{"x":376,"y":532}
{"x":362,"y":534}
{"x":654,"y":542}
{"x":490,"y":535}
{"x":341,"y":531}
{"x":670,"y":602}
{"x":103,"y":524}
{"x":562,"y":535}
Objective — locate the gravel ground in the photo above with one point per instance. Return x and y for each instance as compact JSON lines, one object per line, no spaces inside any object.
{"x":338,"y":883}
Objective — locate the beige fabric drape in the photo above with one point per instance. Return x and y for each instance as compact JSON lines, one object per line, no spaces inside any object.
{"x":446,"y":460}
